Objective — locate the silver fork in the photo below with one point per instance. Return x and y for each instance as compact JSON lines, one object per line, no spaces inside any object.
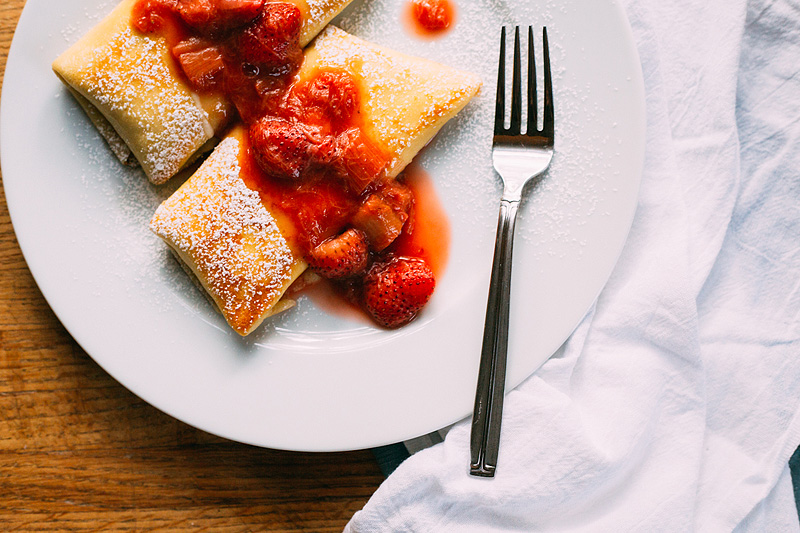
{"x":517,"y":158}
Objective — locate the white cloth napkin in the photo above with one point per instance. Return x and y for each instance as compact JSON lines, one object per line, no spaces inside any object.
{"x":674,"y":405}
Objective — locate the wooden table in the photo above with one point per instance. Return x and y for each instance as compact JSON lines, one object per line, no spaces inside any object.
{"x":78,"y":452}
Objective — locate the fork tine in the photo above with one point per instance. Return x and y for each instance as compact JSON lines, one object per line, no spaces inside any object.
{"x":500,"y":106}
{"x":516,"y":90}
{"x":533,"y":115}
{"x":548,"y":126}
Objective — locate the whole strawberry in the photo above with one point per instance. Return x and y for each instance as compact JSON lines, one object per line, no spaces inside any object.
{"x":396,"y":290}
{"x":342,"y":256}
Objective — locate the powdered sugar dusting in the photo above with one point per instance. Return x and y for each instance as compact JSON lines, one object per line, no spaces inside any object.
{"x":318,"y":13}
{"x":232,"y":241}
{"x":401,"y":117}
{"x":567,"y":197}
{"x":160,"y":117}
{"x":571,"y":196}
{"x":91,"y":14}
{"x":116,"y":202}
{"x":319,"y":10}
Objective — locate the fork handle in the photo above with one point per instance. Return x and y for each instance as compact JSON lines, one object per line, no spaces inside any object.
{"x":485,"y":437}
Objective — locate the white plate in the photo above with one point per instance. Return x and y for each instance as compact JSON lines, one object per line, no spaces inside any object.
{"x":309,"y":380}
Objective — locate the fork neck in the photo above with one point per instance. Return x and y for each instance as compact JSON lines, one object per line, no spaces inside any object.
{"x":512,"y":194}
{"x":508,"y":213}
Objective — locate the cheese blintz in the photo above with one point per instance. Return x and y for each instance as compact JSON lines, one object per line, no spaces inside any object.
{"x":320,"y":176}
{"x":143,"y":73}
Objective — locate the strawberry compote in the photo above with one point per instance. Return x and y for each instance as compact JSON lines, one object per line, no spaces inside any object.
{"x":307,"y":151}
{"x":245,"y":49}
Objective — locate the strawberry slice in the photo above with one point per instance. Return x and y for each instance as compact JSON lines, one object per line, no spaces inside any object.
{"x":343,"y":256}
{"x":329,"y":97}
{"x":236,"y":13}
{"x":351,"y":157}
{"x":272,"y":41}
{"x":217,"y":16}
{"x":395,"y":291}
{"x":199,"y":14}
{"x":362,"y":161}
{"x":281,"y":147}
{"x":151,"y":15}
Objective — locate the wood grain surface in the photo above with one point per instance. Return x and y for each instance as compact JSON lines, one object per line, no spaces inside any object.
{"x":78,"y":452}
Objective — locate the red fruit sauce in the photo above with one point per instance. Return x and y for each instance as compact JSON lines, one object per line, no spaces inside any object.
{"x":430,"y":18}
{"x":306,"y":149}
{"x":427,"y":236}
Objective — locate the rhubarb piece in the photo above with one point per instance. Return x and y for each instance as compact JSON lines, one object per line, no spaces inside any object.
{"x":383,"y":214}
{"x":201,"y":61}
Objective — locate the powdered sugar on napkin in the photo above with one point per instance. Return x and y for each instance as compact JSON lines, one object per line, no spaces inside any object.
{"x":674,"y":405}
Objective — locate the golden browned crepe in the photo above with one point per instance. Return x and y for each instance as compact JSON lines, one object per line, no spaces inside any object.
{"x":224,"y":234}
{"x":407,"y":99}
{"x":125,"y":81}
{"x":245,"y":256}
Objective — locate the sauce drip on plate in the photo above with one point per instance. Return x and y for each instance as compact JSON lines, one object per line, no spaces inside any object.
{"x":431,"y":18}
